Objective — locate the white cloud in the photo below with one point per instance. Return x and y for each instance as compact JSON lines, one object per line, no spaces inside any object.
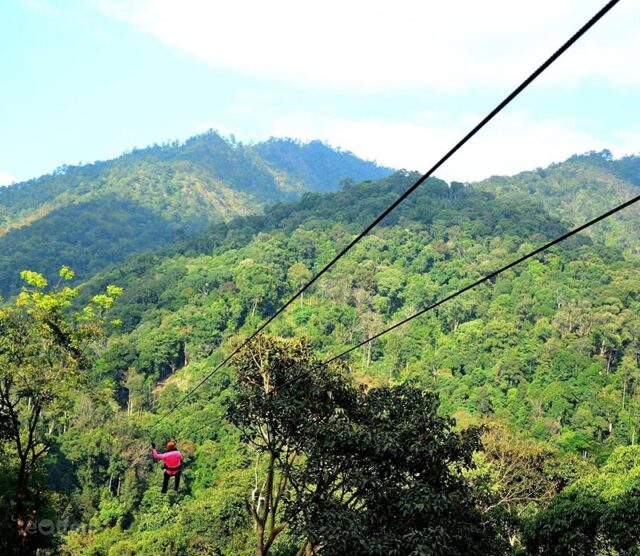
{"x":514,"y":142}
{"x":358,"y":45}
{"x":6,"y":179}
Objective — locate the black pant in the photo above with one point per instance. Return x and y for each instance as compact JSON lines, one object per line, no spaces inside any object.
{"x":165,"y":483}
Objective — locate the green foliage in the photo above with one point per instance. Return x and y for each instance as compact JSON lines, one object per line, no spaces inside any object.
{"x":388,"y":480}
{"x":88,"y":236}
{"x":45,"y":352}
{"x":596,"y":515}
{"x":356,"y":472}
{"x":549,"y":349}
{"x":581,"y":188}
{"x":542,"y":347}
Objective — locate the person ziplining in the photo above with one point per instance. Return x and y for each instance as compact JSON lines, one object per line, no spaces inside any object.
{"x":172,"y":459}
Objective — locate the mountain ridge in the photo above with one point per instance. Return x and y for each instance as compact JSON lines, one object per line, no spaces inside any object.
{"x":224,"y":160}
{"x":181,"y":187}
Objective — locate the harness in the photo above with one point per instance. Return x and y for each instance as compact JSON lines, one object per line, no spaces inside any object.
{"x":172,"y":468}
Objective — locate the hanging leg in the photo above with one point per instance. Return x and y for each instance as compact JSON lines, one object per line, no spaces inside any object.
{"x":178,"y":479}
{"x":165,"y":482}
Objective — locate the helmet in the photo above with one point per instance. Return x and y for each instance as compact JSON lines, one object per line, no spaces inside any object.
{"x":171,"y":445}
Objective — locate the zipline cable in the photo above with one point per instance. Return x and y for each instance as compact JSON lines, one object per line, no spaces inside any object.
{"x":403,"y":196}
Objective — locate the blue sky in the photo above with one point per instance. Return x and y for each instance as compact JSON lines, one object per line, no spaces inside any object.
{"x":396,"y":82}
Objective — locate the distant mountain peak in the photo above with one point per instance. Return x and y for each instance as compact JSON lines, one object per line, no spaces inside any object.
{"x":177,"y":187}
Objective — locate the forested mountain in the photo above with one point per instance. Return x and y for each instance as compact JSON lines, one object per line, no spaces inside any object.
{"x":546,"y":357}
{"x":92,"y":215}
{"x":578,"y":189}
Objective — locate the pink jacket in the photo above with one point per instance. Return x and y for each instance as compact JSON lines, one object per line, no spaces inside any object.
{"x":172,"y":460}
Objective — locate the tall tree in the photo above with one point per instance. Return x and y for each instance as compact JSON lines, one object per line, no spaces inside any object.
{"x":45,"y":349}
{"x":387,"y":479}
{"x":349,"y":471}
{"x":281,"y":396}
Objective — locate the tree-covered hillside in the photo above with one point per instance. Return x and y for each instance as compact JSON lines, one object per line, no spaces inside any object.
{"x":180,"y":188}
{"x":579,"y":189}
{"x":545,"y":358}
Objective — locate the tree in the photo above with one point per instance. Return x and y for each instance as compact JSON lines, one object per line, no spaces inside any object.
{"x":298,"y":275}
{"x":280,"y":398}
{"x":387,"y":479}
{"x":596,"y":515}
{"x":258,"y":283}
{"x":45,"y":350}
{"x":513,"y":476}
{"x":349,"y":471}
{"x":630,"y":375}
{"x":138,"y":394}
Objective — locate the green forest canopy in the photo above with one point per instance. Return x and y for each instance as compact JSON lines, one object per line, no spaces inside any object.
{"x":547,"y":357}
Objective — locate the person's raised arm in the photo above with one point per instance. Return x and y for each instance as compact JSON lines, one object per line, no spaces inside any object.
{"x":155,"y":453}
